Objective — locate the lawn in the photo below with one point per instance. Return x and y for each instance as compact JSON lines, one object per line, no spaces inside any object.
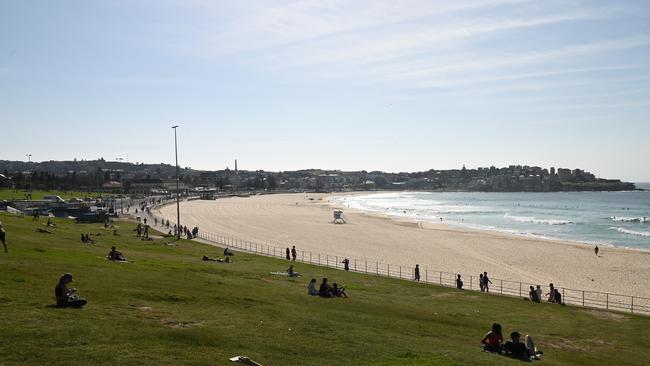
{"x":167,"y":307}
{"x":20,"y":194}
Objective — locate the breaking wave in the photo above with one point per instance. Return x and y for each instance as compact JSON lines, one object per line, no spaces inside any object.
{"x":633,"y":232}
{"x":533,"y":220}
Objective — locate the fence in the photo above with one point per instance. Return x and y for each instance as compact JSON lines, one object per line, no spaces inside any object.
{"x":582,"y":298}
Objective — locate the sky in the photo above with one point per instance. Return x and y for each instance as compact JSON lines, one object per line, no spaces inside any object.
{"x":353,"y":85}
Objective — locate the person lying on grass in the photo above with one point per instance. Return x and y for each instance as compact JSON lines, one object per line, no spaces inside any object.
{"x":66,"y":297}
{"x":115,"y":255}
{"x":206,"y":258}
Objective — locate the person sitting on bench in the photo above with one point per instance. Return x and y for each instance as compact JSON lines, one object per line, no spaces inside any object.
{"x":66,"y":297}
{"x":115,"y":255}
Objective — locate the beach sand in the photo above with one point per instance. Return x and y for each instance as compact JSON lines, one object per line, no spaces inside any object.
{"x":293,"y":219}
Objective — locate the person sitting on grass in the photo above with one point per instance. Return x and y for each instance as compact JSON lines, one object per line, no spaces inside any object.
{"x":338,"y":291}
{"x":515,"y":348}
{"x":115,"y":255}
{"x":49,"y":222}
{"x":325,"y":289}
{"x":228,"y":252}
{"x":311,"y":288}
{"x":3,"y":237}
{"x":291,"y":272}
{"x":493,"y":339}
{"x":66,"y":297}
{"x":558,"y":297}
{"x":519,"y":350}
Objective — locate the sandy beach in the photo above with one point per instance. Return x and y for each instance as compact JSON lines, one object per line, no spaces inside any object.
{"x":293,"y":219}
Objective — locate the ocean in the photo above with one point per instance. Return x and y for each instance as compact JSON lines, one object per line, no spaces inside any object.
{"x":620,"y":219}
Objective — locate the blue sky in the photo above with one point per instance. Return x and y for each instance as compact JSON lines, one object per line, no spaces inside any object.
{"x":367,"y":84}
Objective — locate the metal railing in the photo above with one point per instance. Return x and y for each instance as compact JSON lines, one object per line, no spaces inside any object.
{"x":573,"y":297}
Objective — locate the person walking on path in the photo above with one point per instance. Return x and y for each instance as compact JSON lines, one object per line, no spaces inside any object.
{"x":486,"y":282}
{"x":3,"y":237}
{"x":416,"y":274}
{"x":288,"y":254}
{"x":459,"y":283}
{"x":346,"y":264}
{"x":294,"y":253}
{"x":481,"y":283}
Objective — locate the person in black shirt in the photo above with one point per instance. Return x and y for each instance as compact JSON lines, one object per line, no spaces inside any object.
{"x":325,"y":289}
{"x":3,"y":237}
{"x":66,"y":297}
{"x":294,"y":253}
{"x":533,"y":295}
{"x":346,"y":264}
{"x":514,"y":348}
{"x":288,"y":254}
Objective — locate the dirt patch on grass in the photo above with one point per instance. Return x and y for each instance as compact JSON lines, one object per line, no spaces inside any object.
{"x":178,"y":324}
{"x":607,"y":315}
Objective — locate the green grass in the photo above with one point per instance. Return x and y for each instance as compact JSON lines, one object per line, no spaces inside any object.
{"x":20,"y":194}
{"x":167,"y":307}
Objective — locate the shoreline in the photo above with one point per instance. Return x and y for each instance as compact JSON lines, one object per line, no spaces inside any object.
{"x":293,"y":219}
{"x":463,"y":228}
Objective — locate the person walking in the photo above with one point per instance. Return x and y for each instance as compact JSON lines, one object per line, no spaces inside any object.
{"x":346,"y":264}
{"x":486,"y":282}
{"x":288,"y":254}
{"x":459,"y":283}
{"x":3,"y":237}
{"x":481,"y":283}
{"x":416,"y":273}
{"x":596,"y":250}
{"x":294,"y":253}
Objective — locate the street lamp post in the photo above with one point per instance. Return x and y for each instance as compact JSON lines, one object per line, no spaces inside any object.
{"x":29,"y":163}
{"x":178,"y":205}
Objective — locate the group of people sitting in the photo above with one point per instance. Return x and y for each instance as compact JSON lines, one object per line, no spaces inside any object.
{"x":493,"y":342}
{"x":325,"y":290}
{"x":86,"y":239}
{"x":115,"y":255}
{"x":554,"y":296}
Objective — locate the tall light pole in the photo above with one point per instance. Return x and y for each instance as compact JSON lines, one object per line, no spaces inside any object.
{"x":178,"y":204}
{"x":29,"y":163}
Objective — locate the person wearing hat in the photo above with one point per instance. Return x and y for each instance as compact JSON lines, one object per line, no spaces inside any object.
{"x":66,"y":297}
{"x":3,"y":237}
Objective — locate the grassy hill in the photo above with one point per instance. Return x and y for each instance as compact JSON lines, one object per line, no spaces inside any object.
{"x":167,"y":307}
{"x":37,"y":194}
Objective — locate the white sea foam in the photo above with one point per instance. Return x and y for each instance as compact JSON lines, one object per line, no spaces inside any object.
{"x":630,"y":219}
{"x":534,"y":220}
{"x":633,"y":232}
